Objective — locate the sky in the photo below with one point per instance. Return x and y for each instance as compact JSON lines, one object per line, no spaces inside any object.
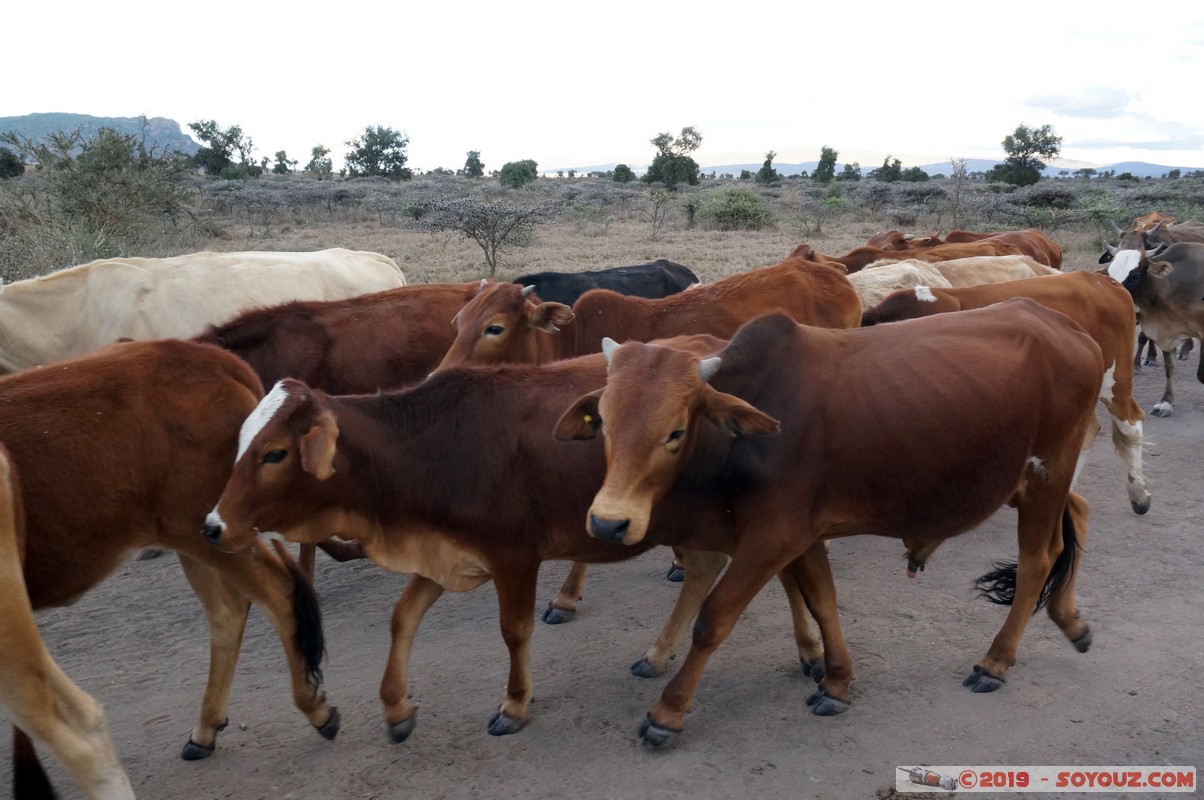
{"x":586,"y":84}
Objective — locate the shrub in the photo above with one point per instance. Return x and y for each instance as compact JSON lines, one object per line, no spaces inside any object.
{"x":735,"y":208}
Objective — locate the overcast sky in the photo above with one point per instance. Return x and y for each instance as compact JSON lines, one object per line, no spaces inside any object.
{"x":582,"y":84}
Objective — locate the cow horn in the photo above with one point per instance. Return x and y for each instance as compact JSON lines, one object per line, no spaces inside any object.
{"x":609,"y":346}
{"x":1155,"y":228}
{"x":526,"y":290}
{"x":483,"y":282}
{"x":1115,"y":227}
{"x":707,"y":367}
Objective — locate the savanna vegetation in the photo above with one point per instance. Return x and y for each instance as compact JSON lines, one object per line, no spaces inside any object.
{"x":111,"y":195}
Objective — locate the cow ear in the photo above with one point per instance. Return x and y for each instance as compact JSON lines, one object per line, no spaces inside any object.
{"x":318,"y":446}
{"x":550,"y":316}
{"x":1161,"y":269}
{"x":736,"y":417}
{"x":581,"y":421}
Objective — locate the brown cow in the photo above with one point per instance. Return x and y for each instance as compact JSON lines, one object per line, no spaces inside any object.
{"x":684,"y":441}
{"x":43,"y":701}
{"x":861,"y":257}
{"x":1098,"y":303}
{"x":146,"y":432}
{"x":390,"y":471}
{"x":1030,"y":241}
{"x":505,"y":325}
{"x":897,"y":240}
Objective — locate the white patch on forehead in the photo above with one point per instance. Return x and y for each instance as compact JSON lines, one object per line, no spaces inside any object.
{"x":925,"y":295}
{"x":260,"y":417}
{"x":1124,"y":262}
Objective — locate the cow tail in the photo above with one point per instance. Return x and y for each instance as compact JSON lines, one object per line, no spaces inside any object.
{"x":310,"y":638}
{"x":999,"y":585}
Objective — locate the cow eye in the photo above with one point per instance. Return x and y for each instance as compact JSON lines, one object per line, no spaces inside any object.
{"x":494,"y":330}
{"x":275,"y":456}
{"x":675,"y":437}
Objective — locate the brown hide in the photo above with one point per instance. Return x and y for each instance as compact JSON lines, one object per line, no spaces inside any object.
{"x":861,"y":257}
{"x":1030,"y":242}
{"x":129,"y":447}
{"x":385,"y":339}
{"x":810,"y":293}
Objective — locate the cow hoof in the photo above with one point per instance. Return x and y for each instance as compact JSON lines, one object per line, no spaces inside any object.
{"x":147,"y":553}
{"x":401,"y":731}
{"x":1083,"y":643}
{"x":1141,"y":508}
{"x":654,"y":737}
{"x":980,"y":681}
{"x":196,"y":752}
{"x":331,"y":728}
{"x":675,"y":574}
{"x":556,"y":616}
{"x":502,"y":725}
{"x":823,"y":704}
{"x":814,"y":670}
{"x":644,"y":669}
{"x":1162,"y":410}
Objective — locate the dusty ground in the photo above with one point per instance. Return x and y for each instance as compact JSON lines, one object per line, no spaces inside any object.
{"x":138,"y":643}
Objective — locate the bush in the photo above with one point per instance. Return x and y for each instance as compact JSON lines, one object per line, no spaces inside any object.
{"x":517,"y":174}
{"x":735,"y":208}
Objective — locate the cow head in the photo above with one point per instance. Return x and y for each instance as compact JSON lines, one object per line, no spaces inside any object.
{"x":654,"y":400}
{"x":287,"y":450}
{"x":499,"y":325}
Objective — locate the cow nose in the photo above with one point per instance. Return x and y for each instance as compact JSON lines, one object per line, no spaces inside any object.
{"x":608,"y":530}
{"x":213,"y":528}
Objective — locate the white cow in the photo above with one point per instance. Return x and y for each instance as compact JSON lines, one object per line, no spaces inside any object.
{"x":876,"y":281}
{"x":75,"y":310}
{"x":983,"y":269}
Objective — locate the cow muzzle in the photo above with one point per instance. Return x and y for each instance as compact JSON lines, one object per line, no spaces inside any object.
{"x":213,"y":528}
{"x":608,"y":530}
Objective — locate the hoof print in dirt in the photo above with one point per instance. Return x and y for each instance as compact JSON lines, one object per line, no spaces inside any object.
{"x":980,"y":681}
{"x":655,"y":737}
{"x":556,"y":616}
{"x":401,"y":731}
{"x":823,"y":704}
{"x":331,"y":728}
{"x":502,"y":725}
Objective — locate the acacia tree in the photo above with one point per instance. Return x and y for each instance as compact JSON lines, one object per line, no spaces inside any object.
{"x":283,"y":165}
{"x":826,"y":170}
{"x":473,"y":168}
{"x":221,"y":147}
{"x":767,"y":174}
{"x":517,"y":174}
{"x":622,"y":174}
{"x":320,"y":165}
{"x":495,"y":225}
{"x":379,"y":151}
{"x":1028,"y":149}
{"x":672,"y":164}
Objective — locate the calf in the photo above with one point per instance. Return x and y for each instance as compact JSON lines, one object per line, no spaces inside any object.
{"x":765,"y":447}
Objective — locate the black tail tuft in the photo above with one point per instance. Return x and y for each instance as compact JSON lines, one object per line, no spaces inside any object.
{"x":999,"y":585}
{"x":310,"y":638}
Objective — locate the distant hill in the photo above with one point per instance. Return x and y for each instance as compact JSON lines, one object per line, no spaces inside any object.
{"x":161,"y":134}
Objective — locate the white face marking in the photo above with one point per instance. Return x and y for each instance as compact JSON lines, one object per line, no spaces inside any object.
{"x":925,"y":295}
{"x":215,"y":519}
{"x":260,"y":417}
{"x":1105,"y":389}
{"x":1124,"y":262}
{"x":1038,"y":467}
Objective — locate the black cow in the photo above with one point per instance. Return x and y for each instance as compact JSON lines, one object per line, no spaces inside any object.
{"x":659,"y":278}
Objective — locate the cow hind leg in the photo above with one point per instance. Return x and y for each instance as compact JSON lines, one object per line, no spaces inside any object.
{"x":401,"y":714}
{"x":1166,"y":405}
{"x":1062,"y":607}
{"x":1127,"y":439}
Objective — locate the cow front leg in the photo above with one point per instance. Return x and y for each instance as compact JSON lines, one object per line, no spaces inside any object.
{"x":812,"y":575}
{"x":400,"y":714}
{"x":516,"y":586}
{"x":1166,"y":405}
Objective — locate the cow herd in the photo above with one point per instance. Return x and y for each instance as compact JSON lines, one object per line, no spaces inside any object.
{"x":466,"y":433}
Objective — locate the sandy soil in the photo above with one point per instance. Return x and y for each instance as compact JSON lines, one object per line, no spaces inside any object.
{"x":138,"y":643}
